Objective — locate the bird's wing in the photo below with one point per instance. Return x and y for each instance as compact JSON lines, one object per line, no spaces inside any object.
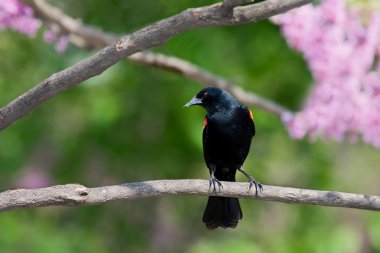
{"x":250,"y":114}
{"x":210,"y":153}
{"x":205,"y":131}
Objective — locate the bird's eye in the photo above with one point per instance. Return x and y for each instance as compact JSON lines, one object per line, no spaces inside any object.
{"x":204,"y":95}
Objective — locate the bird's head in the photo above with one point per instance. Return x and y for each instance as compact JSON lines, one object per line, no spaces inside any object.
{"x":214,"y":100}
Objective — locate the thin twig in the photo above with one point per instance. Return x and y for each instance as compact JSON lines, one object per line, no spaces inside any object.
{"x":148,"y":37}
{"x":205,"y":77}
{"x":78,"y":195}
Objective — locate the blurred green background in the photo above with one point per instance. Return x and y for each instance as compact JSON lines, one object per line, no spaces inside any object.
{"x":128,"y":125}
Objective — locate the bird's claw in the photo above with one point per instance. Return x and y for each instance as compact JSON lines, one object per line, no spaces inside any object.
{"x":251,"y":181}
{"x":258,"y":186}
{"x":213,"y":181}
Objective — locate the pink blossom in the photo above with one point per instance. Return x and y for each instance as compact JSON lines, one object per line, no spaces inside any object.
{"x":49,"y":36}
{"x":19,"y":17}
{"x":62,"y":43}
{"x":341,"y":51}
{"x":33,"y":178}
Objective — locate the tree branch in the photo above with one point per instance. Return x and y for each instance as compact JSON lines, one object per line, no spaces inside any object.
{"x":78,"y":195}
{"x":92,"y":37}
{"x":148,"y":37}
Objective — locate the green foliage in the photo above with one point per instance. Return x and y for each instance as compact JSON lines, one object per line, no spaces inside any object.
{"x":128,"y":125}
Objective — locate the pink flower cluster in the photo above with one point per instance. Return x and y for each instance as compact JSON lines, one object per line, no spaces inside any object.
{"x":61,"y":41}
{"x":342,"y":48}
{"x":19,"y":17}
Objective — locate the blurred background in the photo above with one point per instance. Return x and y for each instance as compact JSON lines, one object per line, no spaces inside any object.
{"x":129,"y":125}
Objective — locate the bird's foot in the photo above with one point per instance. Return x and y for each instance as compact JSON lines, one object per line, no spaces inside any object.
{"x":258,"y":186}
{"x":252,"y":181}
{"x":213,"y":181}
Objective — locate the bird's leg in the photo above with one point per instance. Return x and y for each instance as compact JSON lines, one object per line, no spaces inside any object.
{"x":251,"y":181}
{"x":214,"y":180}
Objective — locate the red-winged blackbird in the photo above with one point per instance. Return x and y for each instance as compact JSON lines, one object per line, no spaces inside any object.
{"x":227,"y":134}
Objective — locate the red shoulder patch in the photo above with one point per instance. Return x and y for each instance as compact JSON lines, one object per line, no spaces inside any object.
{"x":205,"y":122}
{"x":250,"y":114}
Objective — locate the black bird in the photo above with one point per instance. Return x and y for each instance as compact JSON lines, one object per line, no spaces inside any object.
{"x":227,"y":135}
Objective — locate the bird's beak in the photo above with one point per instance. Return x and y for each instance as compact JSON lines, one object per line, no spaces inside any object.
{"x":193,"y":101}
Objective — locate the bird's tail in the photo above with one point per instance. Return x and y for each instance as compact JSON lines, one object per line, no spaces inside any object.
{"x":221,"y":211}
